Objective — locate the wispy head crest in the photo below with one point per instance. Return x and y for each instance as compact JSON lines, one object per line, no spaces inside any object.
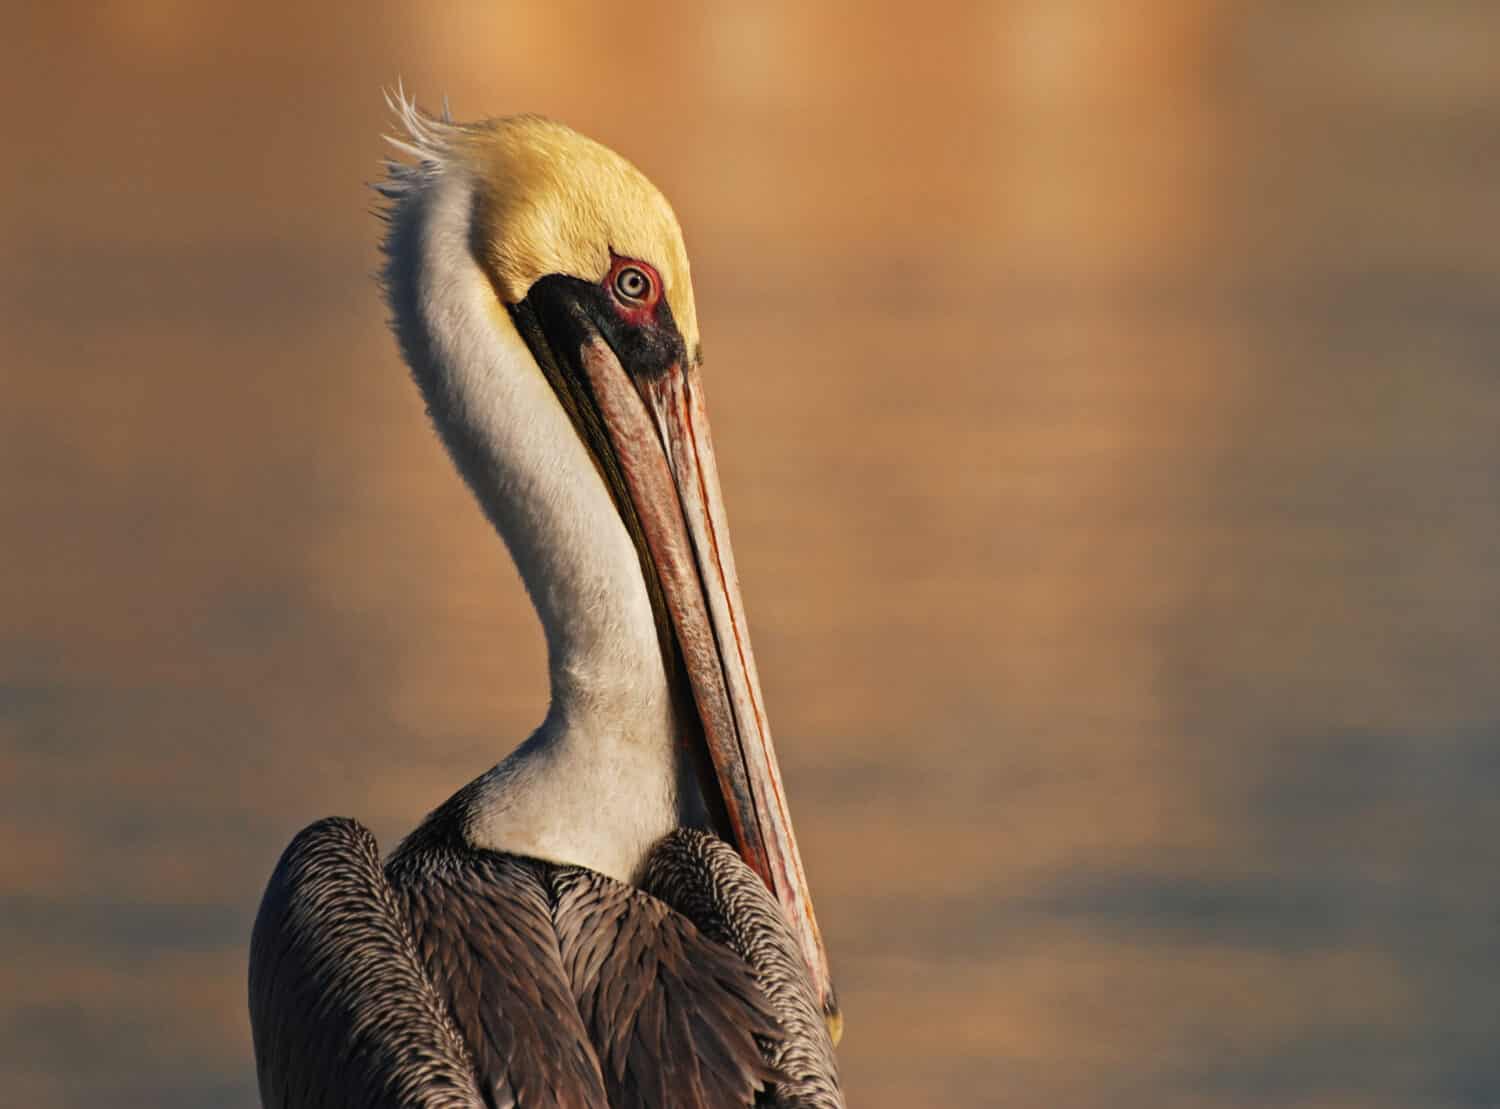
{"x":426,"y":138}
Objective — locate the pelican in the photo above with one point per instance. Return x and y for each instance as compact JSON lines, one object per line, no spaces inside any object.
{"x":616,"y":913}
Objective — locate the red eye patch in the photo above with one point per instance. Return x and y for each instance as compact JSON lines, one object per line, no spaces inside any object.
{"x":636,"y":288}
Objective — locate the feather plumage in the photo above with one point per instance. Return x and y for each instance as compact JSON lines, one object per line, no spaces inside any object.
{"x":457,"y":977}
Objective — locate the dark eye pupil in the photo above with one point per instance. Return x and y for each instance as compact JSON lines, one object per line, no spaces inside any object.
{"x":632,"y":283}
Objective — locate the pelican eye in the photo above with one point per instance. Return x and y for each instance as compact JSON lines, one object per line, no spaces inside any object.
{"x":632,"y":283}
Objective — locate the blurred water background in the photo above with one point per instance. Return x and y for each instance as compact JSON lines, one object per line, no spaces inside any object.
{"x":1108,"y":404}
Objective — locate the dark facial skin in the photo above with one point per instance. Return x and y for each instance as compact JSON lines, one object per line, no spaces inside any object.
{"x":640,"y":329}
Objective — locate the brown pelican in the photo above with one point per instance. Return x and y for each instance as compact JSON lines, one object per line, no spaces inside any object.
{"x":567,"y":929}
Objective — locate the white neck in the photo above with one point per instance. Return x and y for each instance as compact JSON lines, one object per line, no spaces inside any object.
{"x":598,"y":783}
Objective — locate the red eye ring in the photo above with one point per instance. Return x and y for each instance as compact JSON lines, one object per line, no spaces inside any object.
{"x":634,"y":284}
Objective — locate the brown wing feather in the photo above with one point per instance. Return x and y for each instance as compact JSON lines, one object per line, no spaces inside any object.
{"x":341,"y":1012}
{"x":702,"y":878}
{"x":674,"y":1016}
{"x":555,"y":985}
{"x":484,"y":932}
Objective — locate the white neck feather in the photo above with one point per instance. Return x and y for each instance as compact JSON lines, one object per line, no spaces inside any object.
{"x":597,"y":783}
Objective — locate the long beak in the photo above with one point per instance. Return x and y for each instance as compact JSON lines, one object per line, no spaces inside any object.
{"x":657,"y":432}
{"x":667,"y":459}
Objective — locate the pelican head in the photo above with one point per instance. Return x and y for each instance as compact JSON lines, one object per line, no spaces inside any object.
{"x":542,"y":296}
